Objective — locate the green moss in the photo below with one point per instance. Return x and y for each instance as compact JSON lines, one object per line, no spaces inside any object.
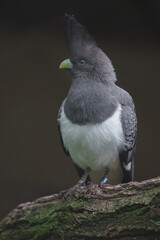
{"x":157,"y":223}
{"x":76,"y":204}
{"x":65,"y":218}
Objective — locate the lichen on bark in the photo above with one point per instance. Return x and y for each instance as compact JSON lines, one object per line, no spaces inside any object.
{"x":125,"y":211}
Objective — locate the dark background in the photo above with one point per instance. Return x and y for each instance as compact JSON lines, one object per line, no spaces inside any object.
{"x":32,"y":45}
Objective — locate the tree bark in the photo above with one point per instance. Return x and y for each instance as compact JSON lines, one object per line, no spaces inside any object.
{"x":126,"y":211}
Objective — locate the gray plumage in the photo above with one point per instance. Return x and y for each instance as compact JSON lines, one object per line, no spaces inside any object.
{"x":93,"y":97}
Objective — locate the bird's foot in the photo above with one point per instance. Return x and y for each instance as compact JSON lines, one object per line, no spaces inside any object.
{"x":83,"y":182}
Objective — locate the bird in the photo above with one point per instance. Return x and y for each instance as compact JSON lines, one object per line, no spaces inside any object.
{"x":97,"y":120}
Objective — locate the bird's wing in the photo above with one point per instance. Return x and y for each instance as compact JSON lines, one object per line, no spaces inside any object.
{"x":59,"y":130}
{"x":129,"y":125}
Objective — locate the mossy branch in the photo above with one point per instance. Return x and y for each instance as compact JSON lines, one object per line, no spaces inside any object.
{"x":125,"y":211}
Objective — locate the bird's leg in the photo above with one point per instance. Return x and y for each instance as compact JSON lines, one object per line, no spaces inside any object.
{"x":81,"y":172}
{"x":82,"y":182}
{"x":104,"y":180}
{"x":84,"y":179}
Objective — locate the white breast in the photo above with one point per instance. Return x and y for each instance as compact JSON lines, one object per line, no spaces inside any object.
{"x":94,"y":146}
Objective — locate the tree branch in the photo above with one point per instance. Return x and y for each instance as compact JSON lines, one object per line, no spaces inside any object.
{"x":125,"y":211}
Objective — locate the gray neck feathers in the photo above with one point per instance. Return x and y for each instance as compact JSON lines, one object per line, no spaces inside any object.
{"x":89,"y":101}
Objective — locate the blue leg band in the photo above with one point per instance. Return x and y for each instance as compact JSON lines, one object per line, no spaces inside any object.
{"x":105,"y":180}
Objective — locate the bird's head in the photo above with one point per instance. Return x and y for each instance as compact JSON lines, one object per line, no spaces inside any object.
{"x":85,"y":57}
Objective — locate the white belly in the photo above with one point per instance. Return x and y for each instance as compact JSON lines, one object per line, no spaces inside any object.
{"x":94,"y":146}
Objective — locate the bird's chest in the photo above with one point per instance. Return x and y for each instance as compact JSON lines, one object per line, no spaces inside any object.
{"x":89,"y":103}
{"x":93,"y":146}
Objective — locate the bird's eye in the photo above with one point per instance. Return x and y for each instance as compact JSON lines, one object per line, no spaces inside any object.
{"x":82,"y":61}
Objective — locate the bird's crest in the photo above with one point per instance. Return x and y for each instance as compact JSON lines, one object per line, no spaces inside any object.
{"x":78,"y":39}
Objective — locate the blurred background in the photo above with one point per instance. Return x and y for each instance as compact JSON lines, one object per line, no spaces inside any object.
{"x":32,"y":45}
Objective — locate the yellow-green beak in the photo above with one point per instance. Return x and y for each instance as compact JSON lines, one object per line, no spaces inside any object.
{"x":65,"y":64}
